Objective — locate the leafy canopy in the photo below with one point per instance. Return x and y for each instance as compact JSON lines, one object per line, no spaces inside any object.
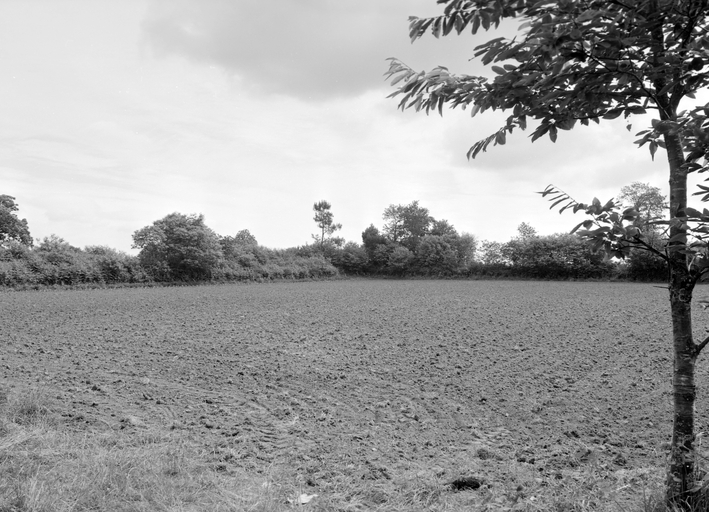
{"x":572,"y":62}
{"x":178,"y":246}
{"x":11,"y":227}
{"x":647,"y":200}
{"x":407,"y":224}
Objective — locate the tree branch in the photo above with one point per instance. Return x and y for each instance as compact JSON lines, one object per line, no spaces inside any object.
{"x":647,"y":247}
{"x":698,"y":348}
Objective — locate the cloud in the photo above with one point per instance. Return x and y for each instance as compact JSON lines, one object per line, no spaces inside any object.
{"x":309,"y":49}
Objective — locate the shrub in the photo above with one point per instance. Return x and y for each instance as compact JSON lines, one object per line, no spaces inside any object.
{"x":643,"y":265}
{"x":399,"y":260}
{"x":178,"y":247}
{"x":16,"y":272}
{"x":352,"y":259}
{"x":437,"y":255}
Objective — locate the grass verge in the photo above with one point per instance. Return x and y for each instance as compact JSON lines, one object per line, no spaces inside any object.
{"x":46,"y":467}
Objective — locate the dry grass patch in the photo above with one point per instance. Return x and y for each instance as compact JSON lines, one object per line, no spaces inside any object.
{"x":45,"y":467}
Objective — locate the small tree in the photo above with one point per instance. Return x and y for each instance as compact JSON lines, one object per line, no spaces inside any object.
{"x":558,"y":256}
{"x":352,"y":258}
{"x":11,"y":227}
{"x":466,"y":245}
{"x":491,"y":253}
{"x":325,"y":221}
{"x":240,"y":247}
{"x":407,"y":224}
{"x":178,"y":247}
{"x":399,"y":260}
{"x":586,"y":61}
{"x":244,"y":237}
{"x":376,"y":246}
{"x":648,"y":201}
{"x":56,"y":250}
{"x":526,"y":231}
{"x":651,"y":205}
{"x":437,"y":255}
{"x":442,"y":228}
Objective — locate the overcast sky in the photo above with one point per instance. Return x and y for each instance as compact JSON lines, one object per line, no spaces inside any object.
{"x":115,"y":114}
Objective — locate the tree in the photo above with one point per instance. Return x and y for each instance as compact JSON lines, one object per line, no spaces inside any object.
{"x":394,"y":222}
{"x":325,"y":221}
{"x":371,"y":238}
{"x":59,"y":262}
{"x":558,"y":256}
{"x":115,"y":266}
{"x":11,"y":227}
{"x":651,"y":205}
{"x":587,"y":61}
{"x":442,"y":228}
{"x":526,"y":231}
{"x":399,"y":260}
{"x":244,"y":237}
{"x":377,"y":247}
{"x":240,"y":247}
{"x":645,"y":199}
{"x":492,"y":253}
{"x":436,"y":254}
{"x":57,"y":250}
{"x":467,"y":246}
{"x":407,"y":224}
{"x":352,"y":258}
{"x":178,"y":247}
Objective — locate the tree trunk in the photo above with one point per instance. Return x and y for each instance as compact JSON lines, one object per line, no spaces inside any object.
{"x":681,"y":472}
{"x":681,"y":476}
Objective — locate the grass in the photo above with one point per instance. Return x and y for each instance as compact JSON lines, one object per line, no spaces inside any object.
{"x":45,"y":467}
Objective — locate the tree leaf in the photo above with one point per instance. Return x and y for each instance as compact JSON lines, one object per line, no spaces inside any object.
{"x":552,"y":133}
{"x":653,"y":149}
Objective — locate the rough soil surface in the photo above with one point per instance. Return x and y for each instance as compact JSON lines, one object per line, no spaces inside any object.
{"x":365,"y":378}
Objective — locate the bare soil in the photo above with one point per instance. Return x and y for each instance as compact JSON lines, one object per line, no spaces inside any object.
{"x":366,"y":379}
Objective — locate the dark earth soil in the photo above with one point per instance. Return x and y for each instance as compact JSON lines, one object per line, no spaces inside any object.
{"x":365,"y":378}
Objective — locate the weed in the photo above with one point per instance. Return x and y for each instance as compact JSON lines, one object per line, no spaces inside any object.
{"x":28,"y":409}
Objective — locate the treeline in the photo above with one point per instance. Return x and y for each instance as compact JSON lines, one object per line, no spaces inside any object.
{"x":563,"y":256}
{"x":177,"y":248}
{"x":560,"y":256}
{"x":55,"y":262}
{"x":411,"y":242}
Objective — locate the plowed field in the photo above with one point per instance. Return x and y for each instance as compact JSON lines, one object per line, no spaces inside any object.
{"x":367,"y":379}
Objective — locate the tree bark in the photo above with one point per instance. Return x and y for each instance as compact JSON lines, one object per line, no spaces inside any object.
{"x":681,"y":472}
{"x":681,"y":475}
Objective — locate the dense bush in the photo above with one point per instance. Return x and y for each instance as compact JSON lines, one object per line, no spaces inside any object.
{"x":352,"y":259}
{"x":178,"y":248}
{"x":559,"y":256}
{"x":55,"y":262}
{"x":117,"y":267}
{"x":437,"y":255}
{"x":399,"y":260}
{"x":642,"y":265}
{"x":16,"y":273}
{"x":528,"y":256}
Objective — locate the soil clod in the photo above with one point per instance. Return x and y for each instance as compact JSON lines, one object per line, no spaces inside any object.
{"x":467,"y":483}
